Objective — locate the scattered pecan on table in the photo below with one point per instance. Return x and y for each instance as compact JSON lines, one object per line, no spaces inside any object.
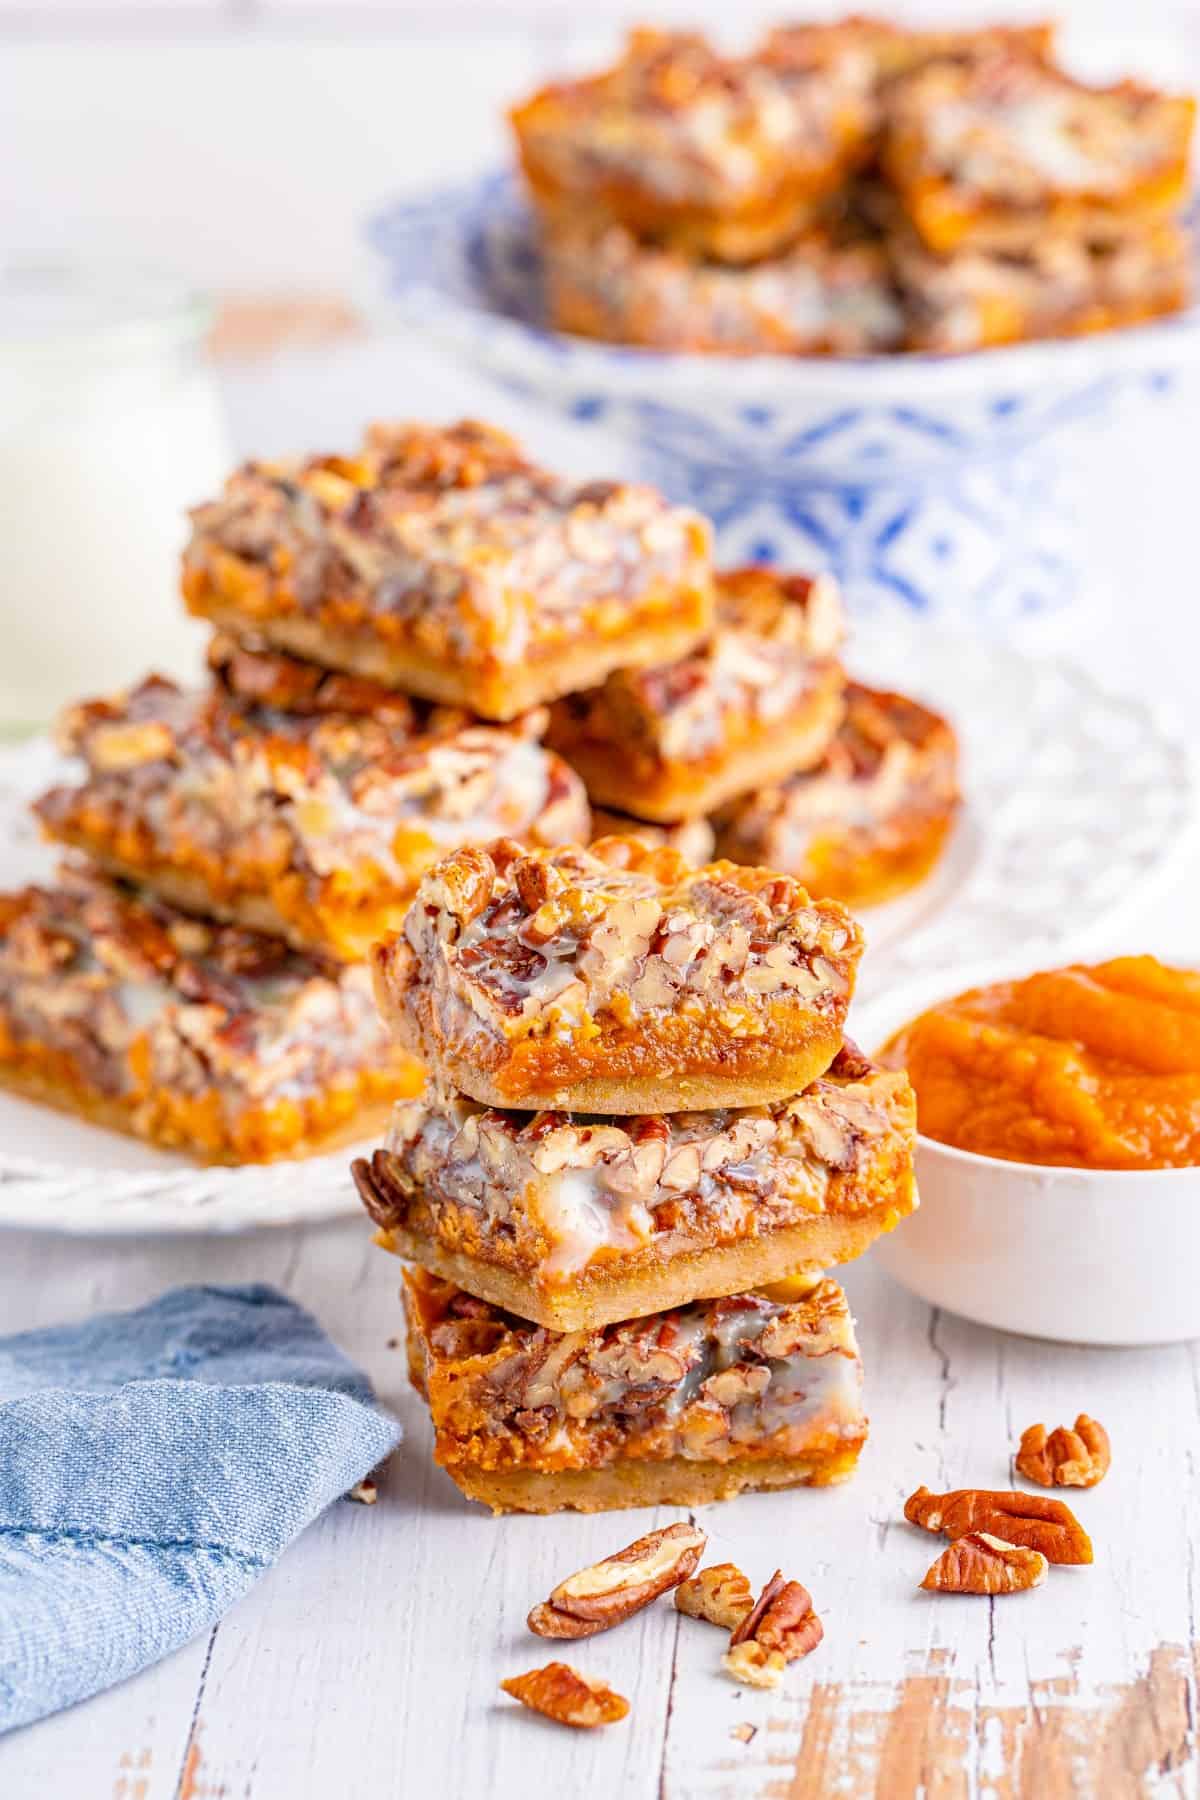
{"x":608,"y":1592}
{"x":982,"y":1564}
{"x":1079,"y":1457}
{"x":1031,"y":1520}
{"x":560,"y":1692}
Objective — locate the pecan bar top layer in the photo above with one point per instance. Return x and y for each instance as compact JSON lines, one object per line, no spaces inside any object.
{"x":195,"y":1036}
{"x":315,"y":824}
{"x":444,"y":563}
{"x":762,"y":697}
{"x":573,"y":1219}
{"x":830,"y":294}
{"x":1002,"y":151}
{"x":618,"y":979}
{"x":724,"y":156}
{"x":872,"y":818}
{"x":746,"y":1376}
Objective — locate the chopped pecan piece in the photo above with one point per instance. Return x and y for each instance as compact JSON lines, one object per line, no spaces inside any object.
{"x":560,"y":1692}
{"x":780,"y":1628}
{"x":1079,"y":1457}
{"x":1030,"y":1520}
{"x":607,"y":1592}
{"x":721,"y":1594}
{"x":982,"y":1564}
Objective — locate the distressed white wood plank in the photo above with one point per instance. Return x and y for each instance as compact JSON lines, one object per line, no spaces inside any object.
{"x":383,"y":1619}
{"x":1089,"y":1680}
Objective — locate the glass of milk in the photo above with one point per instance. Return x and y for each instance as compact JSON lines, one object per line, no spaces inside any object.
{"x":110,"y":427}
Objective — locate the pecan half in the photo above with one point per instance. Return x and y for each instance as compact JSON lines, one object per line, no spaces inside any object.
{"x":463,"y":883}
{"x":1031,"y":1520}
{"x":560,"y":1692}
{"x":1079,"y":1457}
{"x":607,"y":1592}
{"x":982,"y":1564}
{"x":779,"y":1628}
{"x":721,"y":1594}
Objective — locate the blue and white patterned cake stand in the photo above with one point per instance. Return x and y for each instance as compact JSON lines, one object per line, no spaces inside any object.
{"x":941,"y":484}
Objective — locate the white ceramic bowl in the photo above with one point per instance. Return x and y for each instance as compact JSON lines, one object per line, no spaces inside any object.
{"x":1078,"y":1255}
{"x":941,"y":485}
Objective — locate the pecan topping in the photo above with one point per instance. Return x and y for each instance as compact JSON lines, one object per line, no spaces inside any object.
{"x":463,"y":883}
{"x":780,"y":1628}
{"x":729,"y":1387}
{"x":982,"y":1564}
{"x":1030,"y":1520}
{"x":608,"y":1592}
{"x":1079,"y":1457}
{"x":721,"y":1594}
{"x":560,"y":1692}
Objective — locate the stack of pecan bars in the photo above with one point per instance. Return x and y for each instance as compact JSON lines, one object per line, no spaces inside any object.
{"x":643,"y":1139}
{"x":854,"y":188}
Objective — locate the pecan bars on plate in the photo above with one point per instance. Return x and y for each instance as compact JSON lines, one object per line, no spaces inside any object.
{"x":443,"y":563}
{"x":618,"y":979}
{"x":1001,"y":151}
{"x":761,"y":698}
{"x":198,"y":1037}
{"x":314,"y":823}
{"x":871,"y":820}
{"x":718,"y":156}
{"x":575,"y":1221}
{"x":685,"y":1407}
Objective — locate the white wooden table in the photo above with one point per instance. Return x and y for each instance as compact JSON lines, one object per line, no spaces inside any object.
{"x":367,"y":1661}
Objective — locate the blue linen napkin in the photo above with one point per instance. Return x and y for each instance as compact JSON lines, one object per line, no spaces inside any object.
{"x":152,"y":1465}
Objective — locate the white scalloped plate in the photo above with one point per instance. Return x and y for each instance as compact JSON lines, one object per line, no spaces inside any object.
{"x":1078,"y":801}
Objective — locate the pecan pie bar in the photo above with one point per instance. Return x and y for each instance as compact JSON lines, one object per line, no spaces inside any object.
{"x":718,"y":156}
{"x":617,"y":979}
{"x":574,"y":1221}
{"x":197,"y":1037}
{"x":315,"y":825}
{"x":761,"y":698}
{"x":1001,"y":152}
{"x":1061,"y":287}
{"x":872,"y":819}
{"x":829,"y":294}
{"x":696,"y":1404}
{"x":694,"y":839}
{"x":444,"y":563}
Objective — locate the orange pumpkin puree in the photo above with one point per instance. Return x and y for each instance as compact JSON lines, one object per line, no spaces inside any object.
{"x":1086,"y":1068}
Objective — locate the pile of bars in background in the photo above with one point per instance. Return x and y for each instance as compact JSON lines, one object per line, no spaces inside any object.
{"x":855,"y":188}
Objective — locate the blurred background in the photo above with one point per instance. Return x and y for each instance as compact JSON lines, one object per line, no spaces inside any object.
{"x":241,"y":144}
